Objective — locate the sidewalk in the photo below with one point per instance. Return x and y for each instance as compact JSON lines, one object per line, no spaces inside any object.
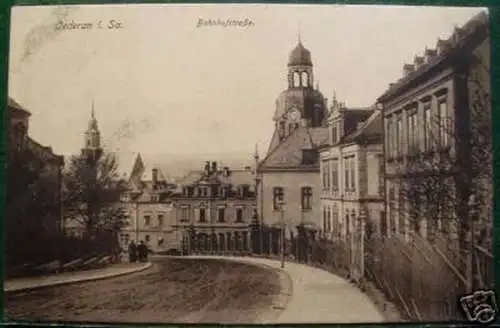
{"x":318,"y":296}
{"x":31,"y":283}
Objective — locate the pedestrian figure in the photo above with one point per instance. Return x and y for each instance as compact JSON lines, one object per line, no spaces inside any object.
{"x":142,"y":251}
{"x":132,"y":252}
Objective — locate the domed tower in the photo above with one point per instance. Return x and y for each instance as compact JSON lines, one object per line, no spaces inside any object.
{"x":300,"y":104}
{"x":92,"y":149}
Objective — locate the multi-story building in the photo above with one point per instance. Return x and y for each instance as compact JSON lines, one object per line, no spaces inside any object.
{"x":149,"y":205}
{"x":351,"y":178}
{"x":438,"y":135}
{"x":208,"y":210}
{"x":216,"y":204}
{"x":42,"y":189}
{"x":289,"y":180}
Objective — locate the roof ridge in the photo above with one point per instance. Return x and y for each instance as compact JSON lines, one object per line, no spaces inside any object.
{"x":277,"y":146}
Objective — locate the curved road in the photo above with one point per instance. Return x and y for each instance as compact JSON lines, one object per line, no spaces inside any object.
{"x":172,"y":291}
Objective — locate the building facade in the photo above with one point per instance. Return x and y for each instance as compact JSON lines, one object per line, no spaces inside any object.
{"x":214,"y":208}
{"x":34,"y":185}
{"x":208,"y":210}
{"x":150,"y":210}
{"x":438,"y":136}
{"x":351,"y":179}
{"x":288,"y":176}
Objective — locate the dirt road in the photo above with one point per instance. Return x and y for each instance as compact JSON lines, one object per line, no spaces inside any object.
{"x":173,"y":291}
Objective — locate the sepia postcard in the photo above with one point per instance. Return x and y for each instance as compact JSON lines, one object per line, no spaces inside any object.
{"x":238,"y":163}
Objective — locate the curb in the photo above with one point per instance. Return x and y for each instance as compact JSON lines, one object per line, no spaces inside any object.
{"x":78,"y":280}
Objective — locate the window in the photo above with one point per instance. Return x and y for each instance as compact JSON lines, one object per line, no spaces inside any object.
{"x":278,"y":198}
{"x":202,"y":215}
{"x":329,"y":220}
{"x":296,"y":79}
{"x":221,"y":214}
{"x":306,"y":198}
{"x":147,"y":238}
{"x":309,"y":156}
{"x":184,"y":214}
{"x":160,"y":220}
{"x":324,"y":164}
{"x":444,"y":127}
{"x":390,"y":142}
{"x":347,"y":165}
{"x":239,"y":215}
{"x":399,"y":137}
{"x":427,"y":126}
{"x":335,"y":174}
{"x":350,"y":174}
{"x":324,"y":219}
{"x":412,"y":133}
{"x":305,"y":81}
{"x":347,"y":224}
{"x":334,"y":134}
{"x":353,"y":174}
{"x":147,"y":220}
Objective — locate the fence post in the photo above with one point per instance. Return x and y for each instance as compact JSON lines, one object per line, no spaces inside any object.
{"x":473,"y":215}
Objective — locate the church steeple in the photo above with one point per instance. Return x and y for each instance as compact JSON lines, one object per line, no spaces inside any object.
{"x":300,"y":67}
{"x":92,"y":149}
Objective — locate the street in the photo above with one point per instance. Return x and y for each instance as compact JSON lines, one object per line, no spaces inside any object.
{"x":173,"y":290}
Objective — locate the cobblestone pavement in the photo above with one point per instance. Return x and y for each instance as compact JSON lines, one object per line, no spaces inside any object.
{"x":173,"y":290}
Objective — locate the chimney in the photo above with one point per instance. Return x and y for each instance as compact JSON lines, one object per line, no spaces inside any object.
{"x":391,"y":84}
{"x":407,"y":69}
{"x":443,"y":46}
{"x":214,"y":167}
{"x":227,"y":172}
{"x":248,"y":168}
{"x":430,"y":54}
{"x":457,"y":34}
{"x":207,"y":167}
{"x":155,"y":178}
{"x":418,"y":61}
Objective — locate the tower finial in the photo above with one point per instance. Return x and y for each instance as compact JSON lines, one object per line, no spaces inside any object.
{"x":256,"y":152}
{"x":92,"y":113}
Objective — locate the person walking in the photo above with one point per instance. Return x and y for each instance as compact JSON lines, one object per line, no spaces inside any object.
{"x":142,"y":251}
{"x":132,"y":252}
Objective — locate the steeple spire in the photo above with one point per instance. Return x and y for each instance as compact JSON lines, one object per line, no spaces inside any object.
{"x":92,"y":113}
{"x":256,"y":152}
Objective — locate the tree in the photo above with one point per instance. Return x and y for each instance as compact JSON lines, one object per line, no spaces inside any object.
{"x":32,"y":206}
{"x":92,"y":195}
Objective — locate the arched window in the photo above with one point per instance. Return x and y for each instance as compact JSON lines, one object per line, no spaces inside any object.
{"x":296,"y":79}
{"x":305,"y":79}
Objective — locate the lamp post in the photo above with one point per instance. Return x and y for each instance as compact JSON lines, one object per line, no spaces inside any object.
{"x":282,"y":239}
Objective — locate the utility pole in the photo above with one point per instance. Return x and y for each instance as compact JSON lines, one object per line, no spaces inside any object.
{"x":282,"y":241}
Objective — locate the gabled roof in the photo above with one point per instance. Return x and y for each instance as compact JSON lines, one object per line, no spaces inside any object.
{"x":274,"y":142}
{"x":369,"y":130}
{"x":288,"y":154}
{"x":191,"y":178}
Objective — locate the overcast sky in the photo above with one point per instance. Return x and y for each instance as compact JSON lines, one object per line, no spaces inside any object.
{"x":161,"y":84}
